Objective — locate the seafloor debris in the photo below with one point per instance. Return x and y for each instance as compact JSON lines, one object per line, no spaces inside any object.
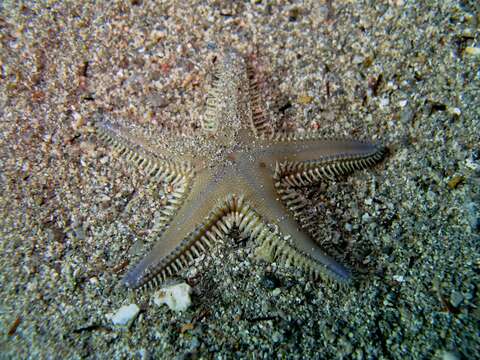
{"x":14,"y":326}
{"x":473,"y":51}
{"x":125,"y":315}
{"x":177,"y":297}
{"x":455,"y":182}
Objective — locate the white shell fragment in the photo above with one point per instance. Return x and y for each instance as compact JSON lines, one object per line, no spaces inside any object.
{"x":473,"y":51}
{"x":125,"y":315}
{"x":177,"y":297}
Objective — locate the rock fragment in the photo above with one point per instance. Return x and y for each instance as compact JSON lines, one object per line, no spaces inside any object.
{"x":176,"y":297}
{"x":125,"y":315}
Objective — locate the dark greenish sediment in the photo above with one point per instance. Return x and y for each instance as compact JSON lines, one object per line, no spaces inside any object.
{"x":75,"y":217}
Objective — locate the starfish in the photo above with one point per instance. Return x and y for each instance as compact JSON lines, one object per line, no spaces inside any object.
{"x":246,"y":176}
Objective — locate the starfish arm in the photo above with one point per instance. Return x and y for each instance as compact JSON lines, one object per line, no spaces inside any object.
{"x":223,"y":101}
{"x":177,"y":174}
{"x":209,"y":204}
{"x":137,"y":153}
{"x":305,"y":170}
{"x":259,"y":121}
{"x":210,"y":122}
{"x":299,"y":162}
{"x":309,"y":147}
{"x":299,"y":249}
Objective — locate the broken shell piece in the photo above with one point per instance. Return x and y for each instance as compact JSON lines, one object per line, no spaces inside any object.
{"x":177,"y":297}
{"x":125,"y":315}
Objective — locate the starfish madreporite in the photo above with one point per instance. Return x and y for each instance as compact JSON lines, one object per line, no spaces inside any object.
{"x":246,"y":177}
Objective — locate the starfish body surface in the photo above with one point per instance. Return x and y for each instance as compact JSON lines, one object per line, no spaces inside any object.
{"x":246,"y":178}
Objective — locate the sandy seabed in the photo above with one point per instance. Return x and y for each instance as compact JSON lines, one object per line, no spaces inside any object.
{"x":74,"y":217}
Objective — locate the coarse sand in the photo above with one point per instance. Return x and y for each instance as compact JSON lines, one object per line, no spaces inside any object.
{"x":74,"y":217}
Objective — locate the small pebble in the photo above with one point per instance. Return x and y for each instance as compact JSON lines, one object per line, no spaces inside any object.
{"x":358,"y":59}
{"x":472,"y":165}
{"x":125,"y":315}
{"x":159,"y":101}
{"x":456,"y":298}
{"x":450,"y":355}
{"x":176,"y":297}
{"x":454,"y":111}
{"x":407,"y":115}
{"x":455,"y":181}
{"x":305,"y":99}
{"x":194,"y":343}
{"x":384,"y":102}
{"x":399,"y":278}
{"x":276,"y":292}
